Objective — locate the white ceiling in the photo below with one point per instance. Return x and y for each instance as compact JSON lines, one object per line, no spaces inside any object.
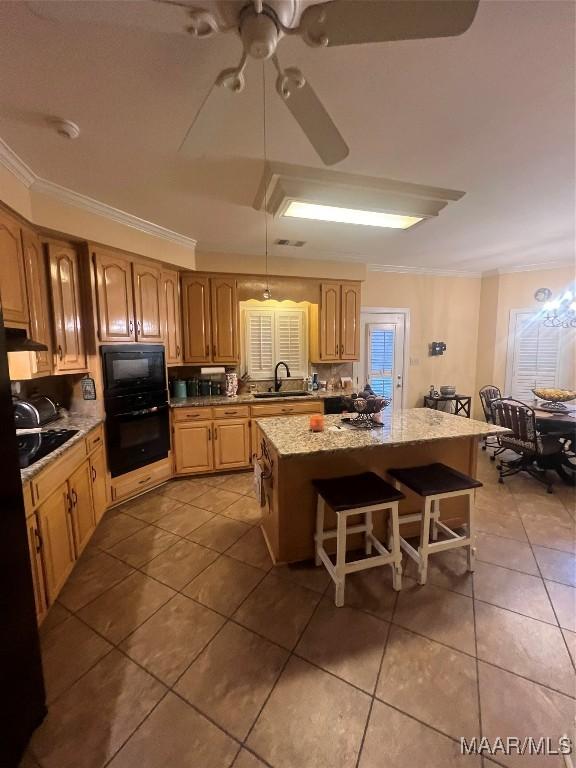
{"x":490,"y":113}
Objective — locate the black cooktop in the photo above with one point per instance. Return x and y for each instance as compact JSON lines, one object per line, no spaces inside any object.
{"x":32,"y":448}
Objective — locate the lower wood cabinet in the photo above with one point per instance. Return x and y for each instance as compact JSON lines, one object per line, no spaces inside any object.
{"x":98,"y":477}
{"x":193,"y":447}
{"x":56,"y":540}
{"x":231,"y":444}
{"x":81,"y":507}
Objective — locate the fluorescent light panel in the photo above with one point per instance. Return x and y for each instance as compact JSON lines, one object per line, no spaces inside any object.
{"x":297,"y":209}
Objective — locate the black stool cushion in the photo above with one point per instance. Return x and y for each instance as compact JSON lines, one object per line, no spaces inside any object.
{"x":365,"y":490}
{"x":432,"y":479}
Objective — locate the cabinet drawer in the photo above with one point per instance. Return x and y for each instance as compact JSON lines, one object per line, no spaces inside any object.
{"x":94,"y":439}
{"x":191,"y":414}
{"x":134,"y":482}
{"x":232,"y":412}
{"x":58,"y":472}
{"x":285,"y":409}
{"x":28,"y":503}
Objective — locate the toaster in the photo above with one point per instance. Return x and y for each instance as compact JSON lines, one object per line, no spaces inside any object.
{"x":35,"y":412}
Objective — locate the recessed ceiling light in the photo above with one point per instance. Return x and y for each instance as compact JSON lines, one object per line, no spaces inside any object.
{"x":298,"y":209}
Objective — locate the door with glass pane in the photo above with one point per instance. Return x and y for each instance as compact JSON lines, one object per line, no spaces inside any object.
{"x":382,"y":355}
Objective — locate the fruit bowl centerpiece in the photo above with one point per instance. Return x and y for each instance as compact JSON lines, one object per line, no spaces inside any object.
{"x":366,"y":405}
{"x":554,"y":399}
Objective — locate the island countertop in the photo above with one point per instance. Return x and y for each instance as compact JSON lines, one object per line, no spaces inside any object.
{"x":292,"y":437}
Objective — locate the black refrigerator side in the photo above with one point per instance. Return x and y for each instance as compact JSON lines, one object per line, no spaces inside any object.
{"x":22,"y":695}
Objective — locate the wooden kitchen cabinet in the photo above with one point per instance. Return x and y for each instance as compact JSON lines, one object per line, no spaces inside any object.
{"x":69,"y":352}
{"x":148,"y":302}
{"x":98,"y":477}
{"x":335,"y":323}
{"x":196,"y":319}
{"x":57,"y":542}
{"x":193,"y":447}
{"x":35,"y":550}
{"x":231,"y":444}
{"x":170,"y":286}
{"x":114,"y":296}
{"x":13,"y":293}
{"x":39,"y":309}
{"x":350,"y":321}
{"x":224,"y":308}
{"x":82,"y":509}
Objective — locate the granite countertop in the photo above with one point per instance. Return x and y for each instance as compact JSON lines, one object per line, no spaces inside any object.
{"x":292,"y":437}
{"x":247,"y":399}
{"x":81,"y":422}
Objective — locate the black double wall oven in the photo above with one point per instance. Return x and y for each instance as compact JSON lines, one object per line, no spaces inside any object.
{"x":136,"y":402}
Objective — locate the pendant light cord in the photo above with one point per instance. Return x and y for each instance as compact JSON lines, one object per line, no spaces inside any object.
{"x":264,"y":137}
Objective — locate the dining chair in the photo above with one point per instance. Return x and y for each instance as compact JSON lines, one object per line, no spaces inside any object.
{"x":488,"y":394}
{"x":536,"y":453}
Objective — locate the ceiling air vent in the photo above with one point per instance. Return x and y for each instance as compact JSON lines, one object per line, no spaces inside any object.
{"x":291,"y":243}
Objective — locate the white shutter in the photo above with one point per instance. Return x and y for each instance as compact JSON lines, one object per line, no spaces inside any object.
{"x":260,"y":344}
{"x":381,"y":356}
{"x":536,"y":356}
{"x":291,"y":340}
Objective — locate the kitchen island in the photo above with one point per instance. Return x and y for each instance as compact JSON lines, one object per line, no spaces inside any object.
{"x":293,"y":456}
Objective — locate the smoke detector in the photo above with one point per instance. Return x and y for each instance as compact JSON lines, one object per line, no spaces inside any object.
{"x":67,"y":129}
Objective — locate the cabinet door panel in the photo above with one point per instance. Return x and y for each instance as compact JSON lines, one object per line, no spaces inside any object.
{"x":57,"y":546}
{"x":232,"y":444}
{"x":193,"y":447}
{"x":83,"y":523}
{"x":171,"y":302}
{"x":35,"y":549}
{"x":330,"y":321}
{"x":350,"y":322}
{"x":196,"y":319}
{"x":114,"y":294}
{"x":98,"y":476}
{"x":148,"y":296}
{"x":224,"y":304}
{"x":70,"y":353}
{"x":36,"y":280}
{"x":12,"y":278}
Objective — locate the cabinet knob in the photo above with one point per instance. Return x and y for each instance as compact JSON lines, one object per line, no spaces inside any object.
{"x":93,"y":474}
{"x":60,"y":354}
{"x":144,"y":480}
{"x":177,"y":350}
{"x":209,"y":434}
{"x":207,"y":350}
{"x":38,"y":540}
{"x":74,"y":498}
{"x":131,"y":327}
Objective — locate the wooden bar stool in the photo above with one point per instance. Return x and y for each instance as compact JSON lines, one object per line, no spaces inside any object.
{"x":435,"y":482}
{"x":363,"y":495}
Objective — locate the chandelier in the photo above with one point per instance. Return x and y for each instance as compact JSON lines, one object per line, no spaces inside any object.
{"x":559,"y":312}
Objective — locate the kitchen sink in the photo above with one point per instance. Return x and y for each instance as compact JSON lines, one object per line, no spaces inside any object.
{"x":287,"y":393}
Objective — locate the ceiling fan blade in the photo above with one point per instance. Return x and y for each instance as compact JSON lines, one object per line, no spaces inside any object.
{"x":312,"y":117}
{"x":348,"y":22}
{"x":155,"y":16}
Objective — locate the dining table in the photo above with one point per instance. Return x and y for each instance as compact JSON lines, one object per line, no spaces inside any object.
{"x":562,"y":424}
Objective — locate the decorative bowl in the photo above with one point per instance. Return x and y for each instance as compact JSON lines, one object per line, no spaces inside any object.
{"x":366,"y":406}
{"x":555,"y":395}
{"x":447,"y":391}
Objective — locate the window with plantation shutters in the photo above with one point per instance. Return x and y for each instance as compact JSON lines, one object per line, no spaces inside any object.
{"x":381,"y":359}
{"x":534,"y":355}
{"x":272,"y":335}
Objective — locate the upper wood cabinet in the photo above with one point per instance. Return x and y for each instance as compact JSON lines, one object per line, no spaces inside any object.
{"x":335,"y":323}
{"x":210,"y":319}
{"x":12,"y":276}
{"x":69,"y":352}
{"x":114,"y":296}
{"x":37,"y":283}
{"x":171,"y":319}
{"x":148,"y":302}
{"x":224,"y":306}
{"x":196,"y":319}
{"x":350,"y":321}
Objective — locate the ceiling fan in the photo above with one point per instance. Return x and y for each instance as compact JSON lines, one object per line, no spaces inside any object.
{"x":261,"y":24}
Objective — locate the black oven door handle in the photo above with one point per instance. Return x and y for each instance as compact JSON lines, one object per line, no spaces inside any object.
{"x":143,"y":411}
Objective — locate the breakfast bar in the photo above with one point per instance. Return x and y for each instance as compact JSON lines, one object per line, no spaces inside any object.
{"x":292,"y":456}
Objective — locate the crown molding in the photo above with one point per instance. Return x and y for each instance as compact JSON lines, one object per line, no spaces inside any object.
{"x":10,"y":160}
{"x":421,"y":271}
{"x":560,"y":264}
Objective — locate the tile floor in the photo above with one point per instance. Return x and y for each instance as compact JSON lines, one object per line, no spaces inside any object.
{"x":175,"y":643}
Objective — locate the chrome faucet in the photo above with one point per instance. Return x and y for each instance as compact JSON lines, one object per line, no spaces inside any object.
{"x":277,"y":382}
